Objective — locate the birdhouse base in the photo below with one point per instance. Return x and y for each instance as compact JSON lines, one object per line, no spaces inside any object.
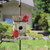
{"x":24,"y":38}
{"x":19,"y":38}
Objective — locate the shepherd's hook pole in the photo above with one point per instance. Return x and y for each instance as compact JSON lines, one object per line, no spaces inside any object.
{"x":19,"y":44}
{"x":20,"y":16}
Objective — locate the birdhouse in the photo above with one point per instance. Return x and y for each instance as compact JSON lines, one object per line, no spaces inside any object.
{"x":20,"y":24}
{"x":20,"y":27}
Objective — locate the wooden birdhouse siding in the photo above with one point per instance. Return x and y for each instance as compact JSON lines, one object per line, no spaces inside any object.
{"x":21,"y":27}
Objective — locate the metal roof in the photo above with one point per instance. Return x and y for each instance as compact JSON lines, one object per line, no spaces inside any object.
{"x":28,"y":2}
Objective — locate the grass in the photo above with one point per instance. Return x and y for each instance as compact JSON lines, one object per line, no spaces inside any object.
{"x":25,"y":45}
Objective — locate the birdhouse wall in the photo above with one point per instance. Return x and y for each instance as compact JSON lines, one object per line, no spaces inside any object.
{"x":21,"y":27}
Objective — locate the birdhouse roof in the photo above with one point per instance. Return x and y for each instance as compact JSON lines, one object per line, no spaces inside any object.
{"x":28,"y":2}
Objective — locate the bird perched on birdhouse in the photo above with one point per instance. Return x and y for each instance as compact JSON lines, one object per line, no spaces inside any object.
{"x":25,"y":17}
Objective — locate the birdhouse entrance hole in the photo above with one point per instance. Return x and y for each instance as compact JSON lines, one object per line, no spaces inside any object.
{"x":20,"y":27}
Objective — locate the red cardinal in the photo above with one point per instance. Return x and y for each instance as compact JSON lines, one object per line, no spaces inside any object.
{"x":25,"y":17}
{"x":15,"y":33}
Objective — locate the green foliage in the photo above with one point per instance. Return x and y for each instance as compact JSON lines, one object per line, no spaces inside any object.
{"x":28,"y":28}
{"x":43,"y":5}
{"x":4,"y":27}
{"x":40,"y":14}
{"x":47,"y":31}
{"x":36,"y":35}
{"x":40,"y":36}
{"x":6,"y":30}
{"x":43,"y":22}
{"x":48,"y":20}
{"x":32,"y":34}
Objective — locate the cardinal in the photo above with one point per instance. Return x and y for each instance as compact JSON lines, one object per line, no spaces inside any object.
{"x":15,"y":33}
{"x":26,"y":17}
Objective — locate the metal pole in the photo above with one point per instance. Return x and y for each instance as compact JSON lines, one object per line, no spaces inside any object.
{"x":20,"y":8}
{"x":20,"y":15}
{"x":19,"y":44}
